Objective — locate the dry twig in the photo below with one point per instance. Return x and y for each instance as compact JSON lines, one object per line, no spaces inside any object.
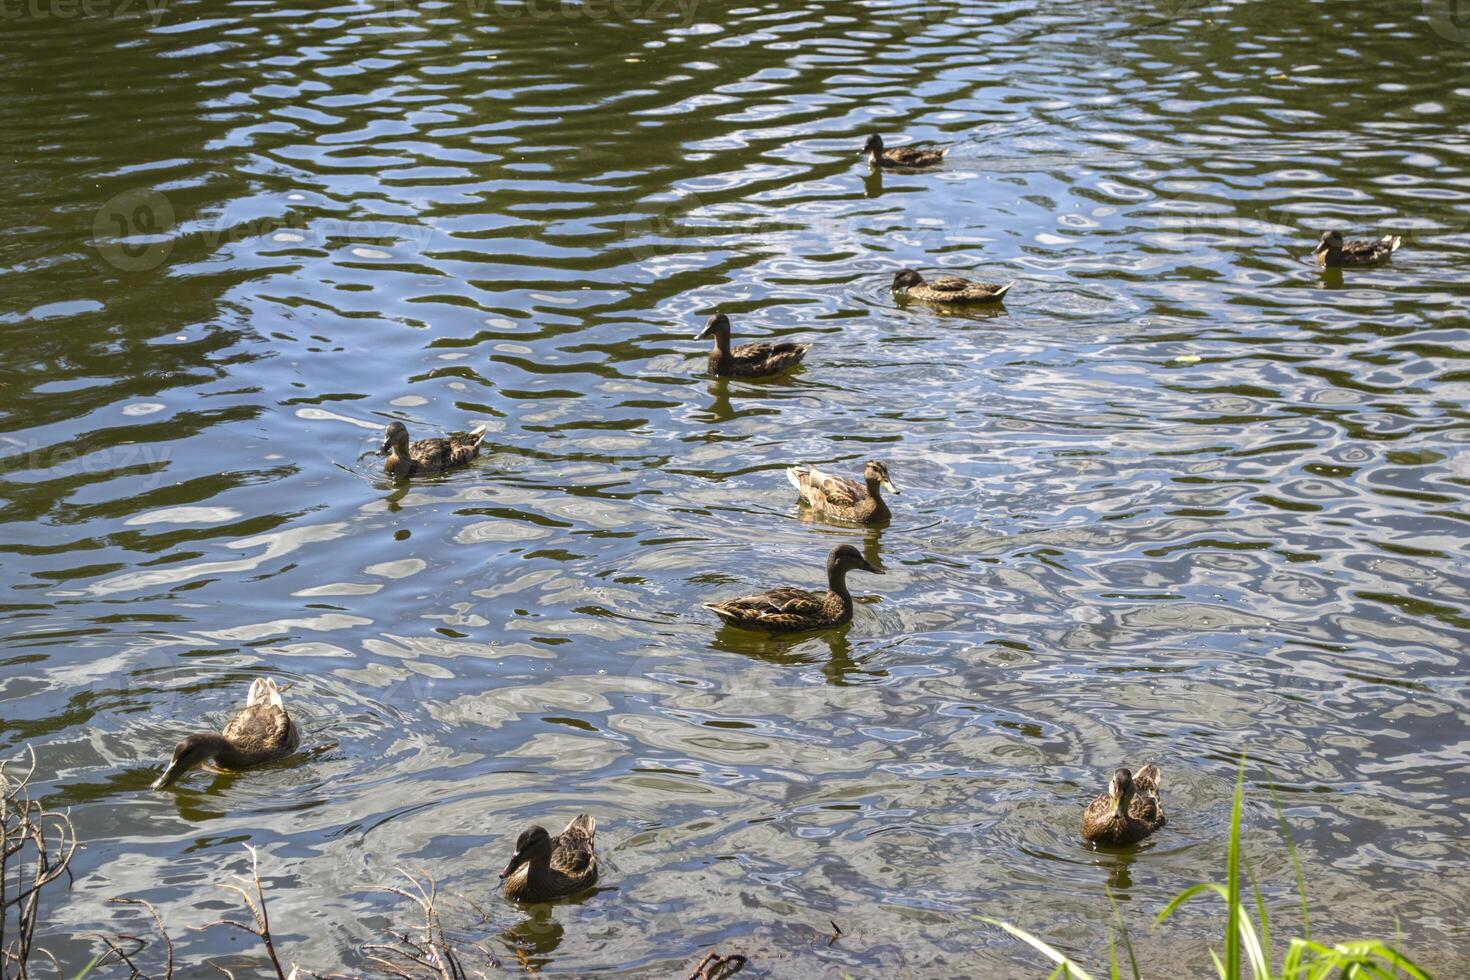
{"x":36,"y":848}
{"x":715,"y":966}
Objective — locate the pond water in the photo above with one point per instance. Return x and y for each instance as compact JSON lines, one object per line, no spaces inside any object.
{"x":1181,"y":497}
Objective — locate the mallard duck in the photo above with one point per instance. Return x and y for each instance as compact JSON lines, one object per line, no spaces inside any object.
{"x":908,"y":157}
{"x":1128,"y":812}
{"x":952,"y":290}
{"x":845,"y":499}
{"x":791,"y":610}
{"x":407,"y":459}
{"x":1334,"y":253}
{"x":747,"y":360}
{"x":263,"y":732}
{"x":546,"y":868}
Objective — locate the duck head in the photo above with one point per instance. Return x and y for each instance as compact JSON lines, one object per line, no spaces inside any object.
{"x":873,"y":149}
{"x":905,"y":279}
{"x":718,"y":326}
{"x":395,"y":440}
{"x":190,"y":753}
{"x":1331,"y":241}
{"x":845,"y":557}
{"x":1120,"y":791}
{"x":876,"y":472}
{"x":533,"y":846}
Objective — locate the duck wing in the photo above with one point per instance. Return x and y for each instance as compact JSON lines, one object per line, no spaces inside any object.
{"x":1146,"y":805}
{"x":833,"y":492}
{"x":765,"y":358}
{"x":1362,"y":252}
{"x":913,"y":156}
{"x":263,"y":731}
{"x":572,"y":854}
{"x":782,"y":608}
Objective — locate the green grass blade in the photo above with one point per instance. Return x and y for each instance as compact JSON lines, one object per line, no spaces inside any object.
{"x":1263,"y":968}
{"x":1071,"y":969}
{"x":1127,"y":942}
{"x":1232,"y":899}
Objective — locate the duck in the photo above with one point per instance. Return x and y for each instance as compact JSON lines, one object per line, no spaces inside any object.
{"x":792,"y":610}
{"x":906,"y":157}
{"x":1128,"y":812}
{"x":547,"y":868}
{"x":844,"y":499}
{"x":1334,"y":253}
{"x":950,"y":290}
{"x":747,"y":360}
{"x":262,"y":732}
{"x":406,"y":459}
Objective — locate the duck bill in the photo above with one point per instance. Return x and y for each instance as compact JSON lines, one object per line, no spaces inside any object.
{"x":706,"y":332}
{"x":170,"y":775}
{"x":515,"y":862}
{"x":1120,"y":807}
{"x":1321,"y":247}
{"x":888,"y":485}
{"x":870,"y":567}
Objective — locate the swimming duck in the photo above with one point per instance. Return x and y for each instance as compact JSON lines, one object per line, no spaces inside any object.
{"x":747,"y":360}
{"x":951,"y":290}
{"x":912,"y":157}
{"x":263,"y":732}
{"x":407,"y":459}
{"x":791,"y":610}
{"x":1128,"y":812}
{"x":546,"y":868}
{"x":1334,"y":253}
{"x":844,"y":499}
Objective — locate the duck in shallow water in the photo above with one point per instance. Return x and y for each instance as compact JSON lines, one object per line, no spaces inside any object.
{"x":546,"y":868}
{"x":406,"y":459}
{"x":262,"y":732}
{"x":900,"y":157}
{"x":844,"y":499}
{"x":951,"y":290}
{"x":747,"y":360}
{"x":792,"y":610}
{"x":1128,"y":812}
{"x":1334,"y":253}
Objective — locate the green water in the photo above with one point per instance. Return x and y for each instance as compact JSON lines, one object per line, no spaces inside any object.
{"x":241,"y":237}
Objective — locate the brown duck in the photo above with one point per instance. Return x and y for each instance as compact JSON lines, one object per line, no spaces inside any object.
{"x":792,"y":610}
{"x":1128,"y":812}
{"x":547,"y":868}
{"x":900,"y":157}
{"x":262,"y":732}
{"x":1334,"y":253}
{"x":406,"y":459}
{"x":844,"y":499}
{"x":747,"y":360}
{"x":952,"y":290}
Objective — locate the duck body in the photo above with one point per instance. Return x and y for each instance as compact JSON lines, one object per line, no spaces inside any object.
{"x":947,"y":290}
{"x":426,"y":456}
{"x":748,"y":360}
{"x":844,"y":499}
{"x":262,"y":732}
{"x":793,"y":610}
{"x":547,"y":868}
{"x":901,"y":157}
{"x":1128,"y":812}
{"x":1333,"y":252}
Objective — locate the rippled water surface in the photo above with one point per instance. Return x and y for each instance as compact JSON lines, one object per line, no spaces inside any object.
{"x":1183,"y":496}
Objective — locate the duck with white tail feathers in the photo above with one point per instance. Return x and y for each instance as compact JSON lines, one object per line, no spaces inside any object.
{"x":1333,"y":252}
{"x":947,"y":290}
{"x":406,"y":459}
{"x":1128,"y":812}
{"x":844,"y":499}
{"x":901,"y":157}
{"x":793,"y":610}
{"x":262,"y":732}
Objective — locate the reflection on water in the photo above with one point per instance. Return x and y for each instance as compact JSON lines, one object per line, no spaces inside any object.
{"x":1183,"y":495}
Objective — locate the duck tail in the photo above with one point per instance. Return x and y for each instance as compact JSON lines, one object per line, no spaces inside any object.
{"x":1004,"y":289}
{"x":583,"y":826}
{"x":257,"y":693}
{"x":1392,"y":241}
{"x":274,"y":692}
{"x":720,"y":610}
{"x":477,"y":434}
{"x":794,"y":475}
{"x":1148,"y":777}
